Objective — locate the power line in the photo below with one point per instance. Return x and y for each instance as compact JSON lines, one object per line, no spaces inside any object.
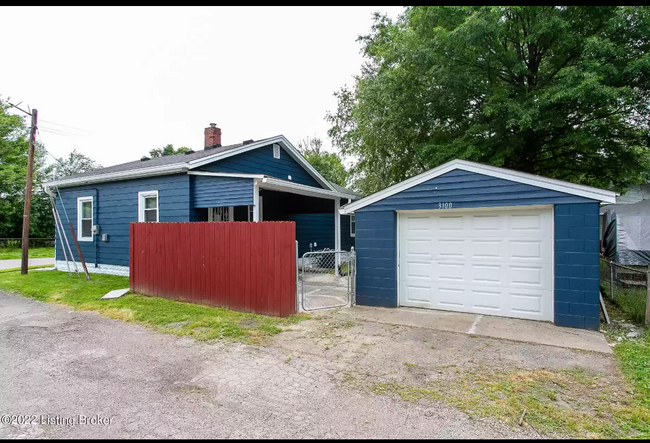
{"x":65,"y":126}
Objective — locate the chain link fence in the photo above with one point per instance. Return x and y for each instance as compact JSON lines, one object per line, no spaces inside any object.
{"x":327,"y":279}
{"x":628,"y":287}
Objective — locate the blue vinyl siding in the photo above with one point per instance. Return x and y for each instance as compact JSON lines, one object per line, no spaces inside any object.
{"x":261,"y":161}
{"x":346,"y":241}
{"x":376,"y":247}
{"x":115,"y":205}
{"x":576,"y":239}
{"x":213,"y":192}
{"x":470,"y":190}
{"x":310,"y":228}
{"x":577,"y":266}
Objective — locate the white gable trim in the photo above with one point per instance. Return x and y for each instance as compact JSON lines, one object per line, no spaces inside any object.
{"x":492,"y":171}
{"x":281,"y":140}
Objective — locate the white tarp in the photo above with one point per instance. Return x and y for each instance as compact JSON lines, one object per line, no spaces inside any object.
{"x":626,"y":233}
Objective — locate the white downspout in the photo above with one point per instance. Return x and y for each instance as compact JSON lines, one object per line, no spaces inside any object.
{"x":256,"y":200}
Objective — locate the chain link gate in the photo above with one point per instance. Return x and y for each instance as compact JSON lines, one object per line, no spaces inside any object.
{"x":327,"y":279}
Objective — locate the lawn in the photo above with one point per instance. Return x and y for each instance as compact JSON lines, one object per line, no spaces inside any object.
{"x":185,"y":319}
{"x":16,"y":253}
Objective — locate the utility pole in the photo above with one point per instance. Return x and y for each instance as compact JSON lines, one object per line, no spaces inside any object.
{"x":28,"y":194}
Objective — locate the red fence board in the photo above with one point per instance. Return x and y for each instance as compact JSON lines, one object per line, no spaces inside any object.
{"x":243,"y":266}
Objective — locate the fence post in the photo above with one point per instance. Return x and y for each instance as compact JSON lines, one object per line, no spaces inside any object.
{"x":297,"y":280}
{"x":647,"y":298}
{"x":611,"y":281}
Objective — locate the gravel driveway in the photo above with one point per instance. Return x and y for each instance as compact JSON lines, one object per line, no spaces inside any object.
{"x":57,"y":364}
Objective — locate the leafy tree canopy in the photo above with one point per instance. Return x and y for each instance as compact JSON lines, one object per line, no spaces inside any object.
{"x":74,"y":163}
{"x":167,"y":150}
{"x":328,"y":164}
{"x":559,"y":91}
{"x":14,"y":147}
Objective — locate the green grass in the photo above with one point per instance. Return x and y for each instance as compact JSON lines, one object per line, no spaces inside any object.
{"x":184,"y":319}
{"x":16,"y":253}
{"x":571,"y":403}
{"x":630,"y":301}
{"x":2,"y":271}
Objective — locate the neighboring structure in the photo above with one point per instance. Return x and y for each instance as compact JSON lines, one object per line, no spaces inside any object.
{"x":474,"y":238}
{"x":249,"y":181}
{"x":625,"y":227}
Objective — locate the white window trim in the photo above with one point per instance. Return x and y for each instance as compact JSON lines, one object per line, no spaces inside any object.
{"x":276,"y":151}
{"x":141,"y":196}
{"x":352,"y":218}
{"x":81,"y":200}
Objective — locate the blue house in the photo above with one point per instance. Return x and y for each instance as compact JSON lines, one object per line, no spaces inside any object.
{"x":468,"y":237}
{"x":265,"y":180}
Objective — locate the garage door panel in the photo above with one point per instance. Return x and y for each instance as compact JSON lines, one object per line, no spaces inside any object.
{"x":418,"y":247}
{"x":449,"y":223}
{"x":487,"y":249}
{"x":418,"y":269}
{"x":420,"y":295}
{"x":497,"y":262}
{"x":491,"y":300}
{"x":487,"y":273}
{"x":450,"y":296}
{"x":530,"y":275}
{"x":450,"y":248}
{"x":450,"y":272}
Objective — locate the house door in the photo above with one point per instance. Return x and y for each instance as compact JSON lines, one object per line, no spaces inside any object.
{"x":224,"y":213}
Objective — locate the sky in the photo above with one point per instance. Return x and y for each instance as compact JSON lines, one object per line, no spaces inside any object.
{"x":116,"y":82}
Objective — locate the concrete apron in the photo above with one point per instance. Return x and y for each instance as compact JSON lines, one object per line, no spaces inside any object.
{"x":528,"y":331}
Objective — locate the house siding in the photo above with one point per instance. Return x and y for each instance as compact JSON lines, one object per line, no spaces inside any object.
{"x":213,"y":192}
{"x":319,"y":228}
{"x":261,"y":161}
{"x":115,"y":205}
{"x":576,"y":239}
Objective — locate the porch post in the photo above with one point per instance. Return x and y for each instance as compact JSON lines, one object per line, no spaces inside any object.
{"x":337,"y":232}
{"x":256,"y":200}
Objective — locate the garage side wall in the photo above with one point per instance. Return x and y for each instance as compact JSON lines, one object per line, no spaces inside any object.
{"x":576,"y":239}
{"x":376,"y":247}
{"x":577,"y":271}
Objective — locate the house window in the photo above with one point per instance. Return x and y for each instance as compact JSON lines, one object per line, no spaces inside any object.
{"x":148,"y":206}
{"x":276,"y":151}
{"x":352,"y":225}
{"x":85,"y":219}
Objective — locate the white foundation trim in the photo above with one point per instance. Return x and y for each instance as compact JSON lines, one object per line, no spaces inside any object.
{"x":101,"y":269}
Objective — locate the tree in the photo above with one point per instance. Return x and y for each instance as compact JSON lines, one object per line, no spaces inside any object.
{"x":14,"y":147}
{"x":74,"y":163}
{"x":556,"y":91}
{"x":167,"y":150}
{"x":328,"y":164}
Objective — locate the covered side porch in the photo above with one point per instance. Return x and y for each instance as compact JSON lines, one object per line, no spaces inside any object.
{"x":252,"y":197}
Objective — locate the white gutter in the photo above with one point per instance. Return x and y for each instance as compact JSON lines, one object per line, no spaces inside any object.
{"x":115,"y":176}
{"x":297,"y":188}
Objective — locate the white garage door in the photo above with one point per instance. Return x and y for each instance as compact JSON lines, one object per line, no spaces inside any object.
{"x":497,"y":261}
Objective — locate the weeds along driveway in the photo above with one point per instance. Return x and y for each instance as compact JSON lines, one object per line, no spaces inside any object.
{"x":57,"y":362}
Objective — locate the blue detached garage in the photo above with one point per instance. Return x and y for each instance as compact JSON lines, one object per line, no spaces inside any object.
{"x":469,"y":237}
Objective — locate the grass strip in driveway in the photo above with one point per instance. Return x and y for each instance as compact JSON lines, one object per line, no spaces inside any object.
{"x":16,"y":253}
{"x":184,"y":319}
{"x":2,"y":271}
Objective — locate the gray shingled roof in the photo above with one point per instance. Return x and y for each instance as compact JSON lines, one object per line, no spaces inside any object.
{"x":177,"y":159}
{"x":345,"y":190}
{"x":158,"y":161}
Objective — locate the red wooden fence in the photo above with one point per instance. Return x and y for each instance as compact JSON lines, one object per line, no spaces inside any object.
{"x":243,"y":266}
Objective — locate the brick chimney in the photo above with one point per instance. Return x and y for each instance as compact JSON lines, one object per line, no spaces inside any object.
{"x":212,"y":136}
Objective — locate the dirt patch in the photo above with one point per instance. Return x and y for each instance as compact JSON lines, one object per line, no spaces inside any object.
{"x":565,"y":392}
